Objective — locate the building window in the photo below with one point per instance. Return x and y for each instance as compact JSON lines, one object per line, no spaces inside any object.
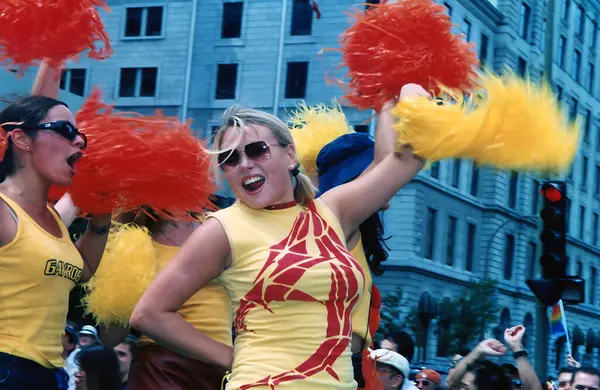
{"x":531,"y":260}
{"x":593,"y":277}
{"x":226,"y":81}
{"x":361,"y":128}
{"x":590,"y":77}
{"x":594,"y":34}
{"x":455,"y":173}
{"x":522,"y":67}
{"x":368,"y":2}
{"x":597,"y":179}
{"x":595,"y":232}
{"x":73,"y":80}
{"x":512,"y":189}
{"x":452,"y":222}
{"x":295,"y":84}
{"x":573,"y":109}
{"x":581,"y":221}
{"x":144,"y":22}
{"x":474,"y":180}
{"x":448,"y":8}
{"x":232,"y":20}
{"x":430,"y":233}
{"x":587,"y":123}
{"x":525,"y":18}
{"x":302,"y":16}
{"x":584,"y":172}
{"x":483,"y":49}
{"x":579,"y":21}
{"x":509,"y":255}
{"x":471,"y":230}
{"x":564,"y":10}
{"x":535,"y":196}
{"x":559,"y":93}
{"x":575,"y":71}
{"x":562,"y":49}
{"x":580,"y":269}
{"x":434,"y":170}
{"x":467,"y":29}
{"x":543,"y":36}
{"x":138,"y":82}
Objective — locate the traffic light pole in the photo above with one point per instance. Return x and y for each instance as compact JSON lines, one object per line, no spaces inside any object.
{"x":542,"y":333}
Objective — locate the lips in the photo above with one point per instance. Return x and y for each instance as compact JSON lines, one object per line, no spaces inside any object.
{"x":72,"y":160}
{"x":253,"y":183}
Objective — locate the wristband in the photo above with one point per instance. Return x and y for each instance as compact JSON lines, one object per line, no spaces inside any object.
{"x":521,"y":353}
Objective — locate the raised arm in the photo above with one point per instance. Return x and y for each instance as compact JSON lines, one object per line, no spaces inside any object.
{"x":91,"y":244}
{"x":201,"y":259}
{"x":356,"y":201}
{"x":514,"y":339}
{"x":489,"y":347}
{"x":66,"y":209}
{"x":47,"y":81}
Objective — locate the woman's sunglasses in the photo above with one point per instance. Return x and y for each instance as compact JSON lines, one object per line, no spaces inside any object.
{"x":256,"y":151}
{"x":64,"y":128}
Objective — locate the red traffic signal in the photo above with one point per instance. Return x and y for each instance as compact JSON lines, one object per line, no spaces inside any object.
{"x":551,"y":192}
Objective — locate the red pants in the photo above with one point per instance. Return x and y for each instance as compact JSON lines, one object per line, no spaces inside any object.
{"x":157,"y":368}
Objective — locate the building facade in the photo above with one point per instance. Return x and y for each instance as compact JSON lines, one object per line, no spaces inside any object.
{"x":456,"y":223}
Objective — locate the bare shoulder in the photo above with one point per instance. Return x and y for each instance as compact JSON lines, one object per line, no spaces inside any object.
{"x":209,"y":242}
{"x":8,"y":224}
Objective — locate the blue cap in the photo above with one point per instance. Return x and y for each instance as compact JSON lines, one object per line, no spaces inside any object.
{"x":344,"y":159}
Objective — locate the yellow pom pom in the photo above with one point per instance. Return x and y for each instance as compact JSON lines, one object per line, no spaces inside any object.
{"x":509,"y":123}
{"x":125,"y":272}
{"x":314,"y":127}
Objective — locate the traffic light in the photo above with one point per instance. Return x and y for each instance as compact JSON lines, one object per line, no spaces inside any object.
{"x":554,"y":230}
{"x":555,"y":284}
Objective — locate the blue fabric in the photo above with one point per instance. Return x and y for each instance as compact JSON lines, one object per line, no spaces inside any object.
{"x":22,"y":374}
{"x":344,"y":159}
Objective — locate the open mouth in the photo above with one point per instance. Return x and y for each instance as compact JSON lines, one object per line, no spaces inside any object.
{"x":72,"y":160}
{"x":253,"y":183}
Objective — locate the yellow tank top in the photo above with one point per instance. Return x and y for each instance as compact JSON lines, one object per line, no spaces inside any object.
{"x":293,"y":286}
{"x":37,"y":272}
{"x":360,"y":316}
{"x":208,"y":310}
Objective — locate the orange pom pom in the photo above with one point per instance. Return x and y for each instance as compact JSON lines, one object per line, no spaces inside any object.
{"x":138,"y":160}
{"x":372,"y":379}
{"x":51,"y":30}
{"x":409,"y":41}
{"x":375,"y":311}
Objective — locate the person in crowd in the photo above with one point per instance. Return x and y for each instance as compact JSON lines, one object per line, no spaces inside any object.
{"x":393,"y":370}
{"x":98,"y":369}
{"x":126,"y":352}
{"x":294,"y":285}
{"x":428,"y":380}
{"x":39,"y":264}
{"x":69,"y":340}
{"x":474,"y":373}
{"x":585,"y":378}
{"x":87,"y":336}
{"x":400,"y":342}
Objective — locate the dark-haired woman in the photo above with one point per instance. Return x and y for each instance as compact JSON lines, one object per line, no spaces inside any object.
{"x":98,"y":369}
{"x":39,"y":265}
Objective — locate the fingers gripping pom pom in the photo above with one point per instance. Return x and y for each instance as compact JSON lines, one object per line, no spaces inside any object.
{"x":509,"y":123}
{"x":408,"y":41}
{"x":314,"y":127}
{"x":135,"y":160}
{"x":52,"y":30}
{"x":127,"y":268}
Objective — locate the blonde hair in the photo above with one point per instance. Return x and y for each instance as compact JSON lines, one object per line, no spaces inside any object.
{"x":238,"y":118}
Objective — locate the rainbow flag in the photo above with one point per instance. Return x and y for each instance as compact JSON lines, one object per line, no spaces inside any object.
{"x":558,"y":322}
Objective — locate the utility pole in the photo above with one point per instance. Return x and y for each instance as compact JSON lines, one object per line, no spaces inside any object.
{"x":542,"y":334}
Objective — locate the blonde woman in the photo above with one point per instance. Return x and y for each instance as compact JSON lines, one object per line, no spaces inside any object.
{"x":282,"y":258}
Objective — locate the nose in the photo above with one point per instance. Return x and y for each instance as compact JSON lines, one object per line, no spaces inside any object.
{"x":79,"y":142}
{"x":245,"y":162}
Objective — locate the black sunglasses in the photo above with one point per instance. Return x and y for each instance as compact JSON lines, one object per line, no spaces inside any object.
{"x":424,"y":382}
{"x":64,"y":128}
{"x":256,"y":151}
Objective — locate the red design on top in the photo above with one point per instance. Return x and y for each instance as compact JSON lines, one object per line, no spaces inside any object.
{"x":291,"y":263}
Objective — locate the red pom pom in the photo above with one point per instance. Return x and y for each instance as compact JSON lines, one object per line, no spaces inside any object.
{"x":138,"y":160}
{"x":51,"y":30}
{"x":375,"y":311}
{"x":410,"y":41}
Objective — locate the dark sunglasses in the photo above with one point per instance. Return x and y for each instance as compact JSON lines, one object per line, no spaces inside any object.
{"x":256,"y":151}
{"x":583,"y":387}
{"x":423,"y":382}
{"x":64,"y":128}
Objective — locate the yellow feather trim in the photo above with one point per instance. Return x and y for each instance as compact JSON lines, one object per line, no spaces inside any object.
{"x":510,"y":124}
{"x":312,"y":128}
{"x":127,"y":268}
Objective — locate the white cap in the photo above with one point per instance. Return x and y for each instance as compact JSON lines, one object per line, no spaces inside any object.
{"x":89,"y":330}
{"x":393,"y":359}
